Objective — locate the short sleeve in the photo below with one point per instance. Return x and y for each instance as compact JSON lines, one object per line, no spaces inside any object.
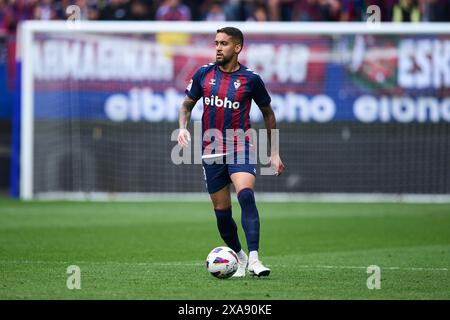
{"x":194,"y":88}
{"x":259,"y":92}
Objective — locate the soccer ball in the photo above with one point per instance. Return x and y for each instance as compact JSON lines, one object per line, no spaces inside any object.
{"x":222,"y":262}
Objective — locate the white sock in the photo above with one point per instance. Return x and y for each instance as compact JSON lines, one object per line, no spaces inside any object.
{"x":253,"y":256}
{"x":241,"y":255}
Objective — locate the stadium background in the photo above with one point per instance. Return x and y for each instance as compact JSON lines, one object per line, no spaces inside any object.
{"x":359,"y":113}
{"x":354,"y":120}
{"x":348,"y":121}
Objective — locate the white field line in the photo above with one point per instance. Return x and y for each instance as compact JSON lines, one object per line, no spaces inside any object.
{"x":262,"y":197}
{"x":188,"y":263}
{"x":382,"y":268}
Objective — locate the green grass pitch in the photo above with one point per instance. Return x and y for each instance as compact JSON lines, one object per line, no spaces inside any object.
{"x":156,"y":250}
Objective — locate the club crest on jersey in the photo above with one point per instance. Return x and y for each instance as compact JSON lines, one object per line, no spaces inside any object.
{"x":212,"y":82}
{"x":237,"y":84}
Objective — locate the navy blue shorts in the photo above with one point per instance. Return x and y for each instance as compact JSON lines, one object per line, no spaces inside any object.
{"x":217,"y":175}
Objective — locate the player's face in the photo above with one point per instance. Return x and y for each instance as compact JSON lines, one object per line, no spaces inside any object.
{"x":226,"y":48}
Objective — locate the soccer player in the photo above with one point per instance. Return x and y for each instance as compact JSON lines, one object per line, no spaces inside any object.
{"x":227,"y":88}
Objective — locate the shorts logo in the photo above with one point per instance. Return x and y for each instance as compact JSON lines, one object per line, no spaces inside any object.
{"x":215,"y":101}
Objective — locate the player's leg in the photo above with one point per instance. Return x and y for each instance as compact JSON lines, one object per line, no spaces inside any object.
{"x":244,"y":183}
{"x":225,"y":223}
{"x":227,"y":226}
{"x":218,"y":186}
{"x":221,"y":199}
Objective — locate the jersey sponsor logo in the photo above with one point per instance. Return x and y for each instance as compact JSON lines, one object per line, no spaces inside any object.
{"x":215,"y":101}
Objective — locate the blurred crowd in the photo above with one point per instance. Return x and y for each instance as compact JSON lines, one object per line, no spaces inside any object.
{"x":13,"y":11}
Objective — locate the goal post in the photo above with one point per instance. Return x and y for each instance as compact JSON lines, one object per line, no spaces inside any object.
{"x":363,"y":109}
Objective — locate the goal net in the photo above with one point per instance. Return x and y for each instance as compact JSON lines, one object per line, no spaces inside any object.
{"x":361,"y":110}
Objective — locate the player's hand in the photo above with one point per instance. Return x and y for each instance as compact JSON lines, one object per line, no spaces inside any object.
{"x":184,"y":137}
{"x":276,"y":164}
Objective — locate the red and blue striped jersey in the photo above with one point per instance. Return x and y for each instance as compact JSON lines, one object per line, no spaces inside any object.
{"x":227,"y":97}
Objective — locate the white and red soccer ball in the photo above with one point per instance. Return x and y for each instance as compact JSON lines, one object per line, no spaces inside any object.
{"x":222,"y":262}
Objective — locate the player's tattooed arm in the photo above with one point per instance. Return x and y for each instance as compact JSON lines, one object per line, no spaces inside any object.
{"x":185,"y":112}
{"x":271,"y":124}
{"x":184,"y":116}
{"x":273,"y":138}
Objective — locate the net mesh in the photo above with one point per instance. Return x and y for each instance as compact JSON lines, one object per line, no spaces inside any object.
{"x":353,"y":115}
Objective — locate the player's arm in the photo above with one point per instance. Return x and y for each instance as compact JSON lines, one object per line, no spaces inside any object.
{"x":184,"y":115}
{"x":271,"y":124}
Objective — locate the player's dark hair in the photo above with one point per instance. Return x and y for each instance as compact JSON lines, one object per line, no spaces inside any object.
{"x":233,"y":32}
